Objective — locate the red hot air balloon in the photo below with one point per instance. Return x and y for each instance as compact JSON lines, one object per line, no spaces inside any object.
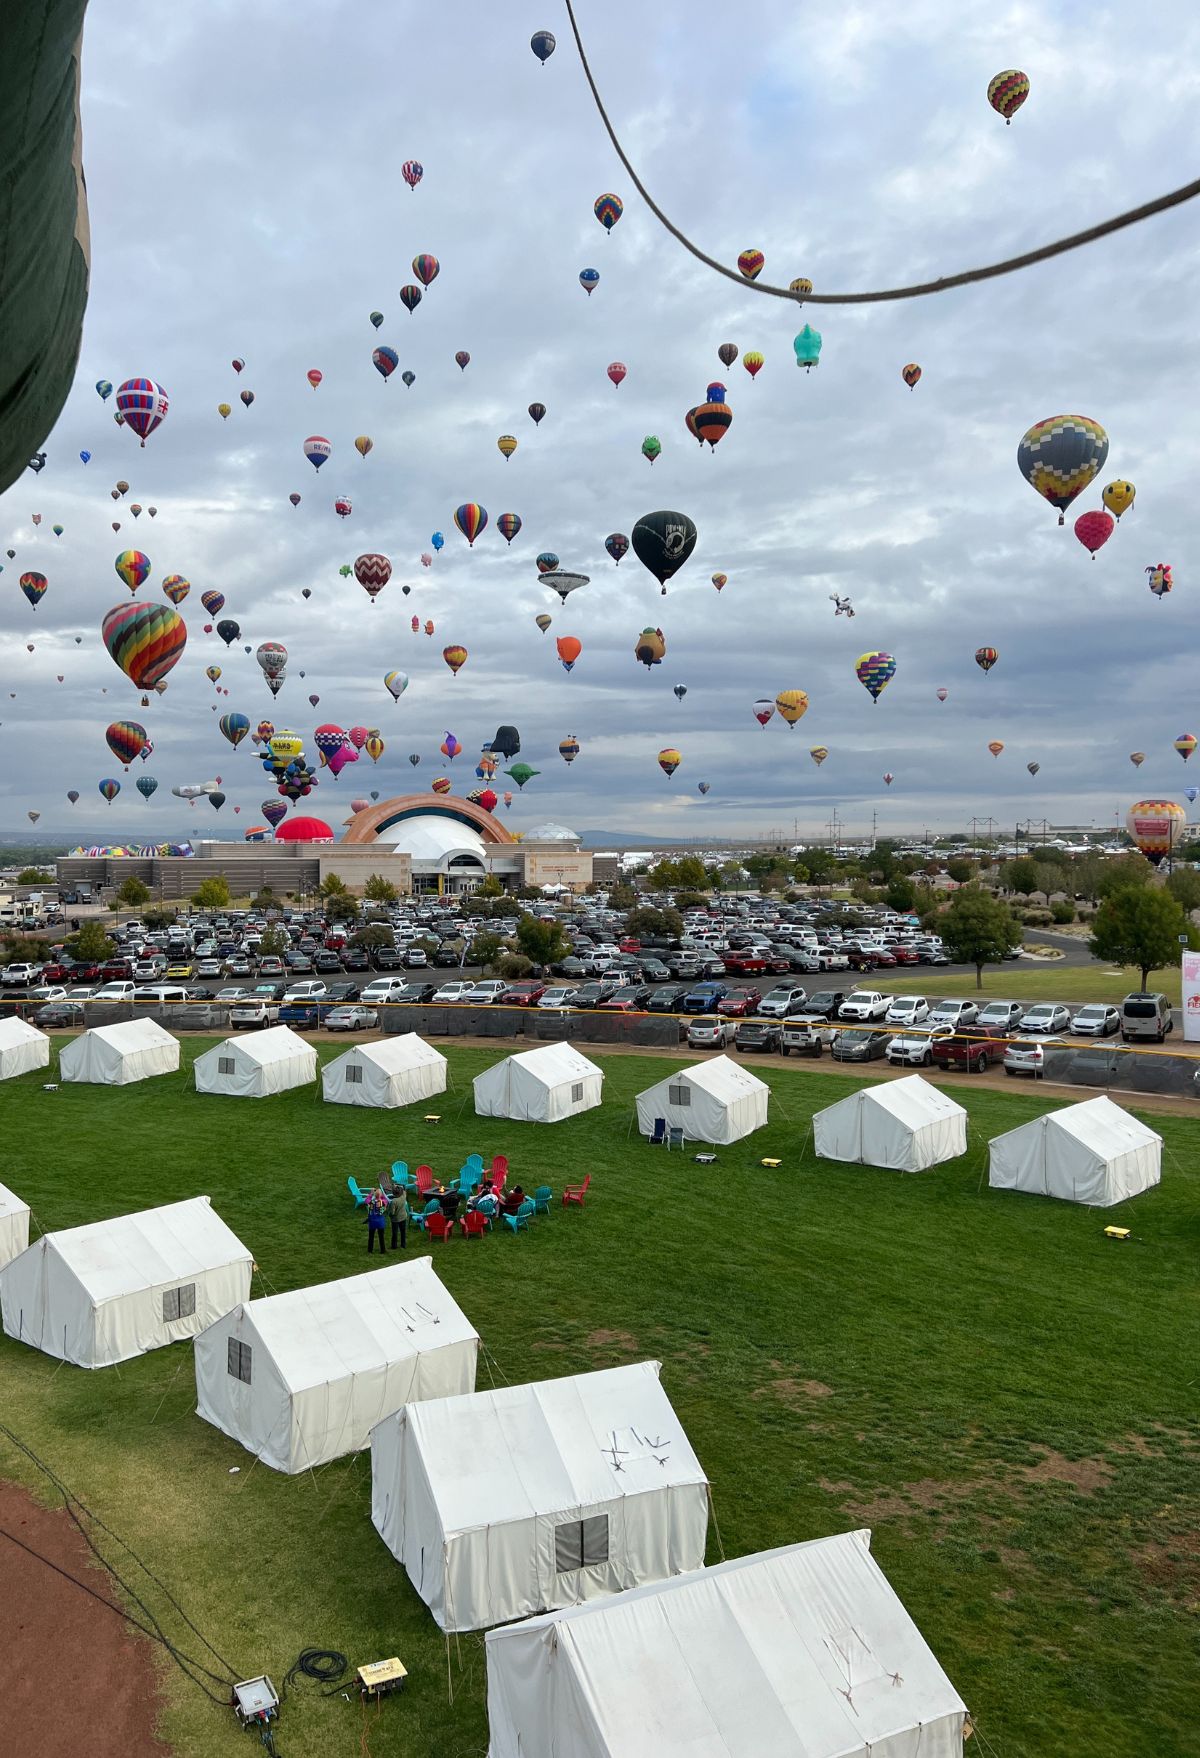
{"x":488,"y":800}
{"x":314,"y":376}
{"x":426,"y":268}
{"x":463,"y":359}
{"x":616,"y":372}
{"x":1094,"y":530}
{"x":751,"y":263}
{"x":142,"y":405}
{"x":372,"y":573}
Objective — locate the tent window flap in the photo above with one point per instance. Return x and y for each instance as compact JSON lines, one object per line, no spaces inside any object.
{"x":354,"y":1074}
{"x":179,"y":1303}
{"x":238,"y":1361}
{"x":581,"y":1544}
{"x":576,"y":1092}
{"x":679,"y":1095}
{"x":225,"y":1064}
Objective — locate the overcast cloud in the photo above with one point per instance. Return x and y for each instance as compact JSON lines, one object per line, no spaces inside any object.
{"x":243,"y":165}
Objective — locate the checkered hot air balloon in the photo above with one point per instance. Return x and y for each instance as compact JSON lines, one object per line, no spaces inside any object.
{"x":142,"y":405}
{"x":875,"y":672}
{"x":176,"y":588}
{"x":608,"y":210}
{"x":1007,"y":91}
{"x":1060,"y":456}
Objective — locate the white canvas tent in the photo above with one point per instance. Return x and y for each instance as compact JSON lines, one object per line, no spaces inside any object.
{"x":803,"y":1652}
{"x":539,"y":1086}
{"x":512,"y":1502}
{"x":399,"y":1070}
{"x":102,"y":1293}
{"x":903,"y":1125}
{"x":1093,"y":1153}
{"x":302,"y":1378}
{"x":256,"y":1064}
{"x":22,"y":1047}
{"x":117,"y":1055}
{"x":717,"y":1101}
{"x":14,"y":1226}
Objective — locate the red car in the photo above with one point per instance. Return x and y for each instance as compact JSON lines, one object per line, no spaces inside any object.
{"x":57,"y":973}
{"x":522,"y":995}
{"x":334,"y":942}
{"x":629,"y":945}
{"x":904,"y":955}
{"x":745,"y":964}
{"x":84,"y":973}
{"x":117,"y":970}
{"x":739,"y":1004}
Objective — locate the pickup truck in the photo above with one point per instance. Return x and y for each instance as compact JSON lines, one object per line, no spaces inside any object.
{"x":752,"y":962}
{"x":301,"y":1015}
{"x":972,"y":1049}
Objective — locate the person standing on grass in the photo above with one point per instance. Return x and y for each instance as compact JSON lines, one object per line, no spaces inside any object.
{"x":398,"y":1210}
{"x":377,"y":1214}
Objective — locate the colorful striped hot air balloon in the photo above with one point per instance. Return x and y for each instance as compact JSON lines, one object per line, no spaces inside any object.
{"x":508,"y":524}
{"x":441,"y":784}
{"x":608,"y":210}
{"x":568,"y":748}
{"x":234,"y":727}
{"x":711,"y":422}
{"x":507,"y":444}
{"x":412,"y":172}
{"x":142,"y":405}
{"x":669,"y":760}
{"x":751,"y":263}
{"x":455,"y":657}
{"x":875,"y":672}
{"x":176,"y":588}
{"x":1185,"y":744}
{"x":145,"y":640}
{"x":213,"y":602}
{"x":133,"y":567}
{"x":126,"y":739}
{"x":1007,"y":91}
{"x":317,"y":450}
{"x":985,"y":658}
{"x":471,"y":519}
{"x":109,"y":789}
{"x":34,"y":585}
{"x":426,"y":268}
{"x":395,"y":683}
{"x":374,"y":745}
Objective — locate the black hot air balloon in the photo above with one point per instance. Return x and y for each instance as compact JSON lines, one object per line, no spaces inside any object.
{"x":662,"y":542}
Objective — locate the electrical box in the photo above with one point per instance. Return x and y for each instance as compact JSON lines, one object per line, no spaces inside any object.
{"x":379,"y":1678}
{"x":255,"y":1701}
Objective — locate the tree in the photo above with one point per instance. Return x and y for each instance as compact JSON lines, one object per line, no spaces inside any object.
{"x":133,"y":893}
{"x":374,"y":934}
{"x":1184,"y":886}
{"x":159,"y":918}
{"x":622,"y":896}
{"x":273,"y":943}
{"x":485,"y":949}
{"x":1020,"y":876}
{"x":820,"y":865}
{"x":663,"y":876}
{"x":490,"y":887}
{"x":212,"y":894}
{"x":333,"y":885}
{"x":900,"y":894}
{"x":339,"y":906}
{"x":91,"y":945}
{"x":1087,"y":875}
{"x":542,"y":943}
{"x":379,"y":890}
{"x":690,"y":900}
{"x":512,"y":966}
{"x":649,"y":923}
{"x":691,"y":873}
{"x":1123,"y":872}
{"x":1050,"y":879}
{"x":978,"y":929}
{"x":264,"y":899}
{"x":1140,"y":926}
{"x":960,"y":870}
{"x":35,"y":876}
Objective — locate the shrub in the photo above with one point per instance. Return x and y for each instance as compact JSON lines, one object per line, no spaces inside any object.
{"x":1062,"y":912}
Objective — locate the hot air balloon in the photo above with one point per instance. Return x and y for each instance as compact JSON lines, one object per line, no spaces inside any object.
{"x":372,"y":573}
{"x":1160,"y":579}
{"x":543,"y":45}
{"x":651,"y":447}
{"x":224,"y":410}
{"x":712,"y":422}
{"x":109,"y":789}
{"x":1033,"y":768}
{"x":1191,"y":794}
{"x":752,"y":360}
{"x":727,"y":353}
{"x":455,"y":657}
{"x":385,"y":360}
{"x":441,"y":785}
{"x":395,"y":682}
{"x":1185,"y":744}
{"x":985,"y":658}
{"x":792,"y":705}
{"x":569,"y":649}
{"x":537,"y":412}
{"x":911,"y":374}
{"x":807,"y":346}
{"x":317,"y":450}
{"x":142,"y":405}
{"x":888,"y":779}
{"x":73,"y":794}
{"x":133,"y":567}
{"x":521,"y":773}
{"x":1094,"y":530}
{"x":212,"y":673}
{"x":34,"y":586}
{"x":617,"y":545}
{"x":216,"y":801}
{"x":1118,"y":498}
{"x":176,"y":588}
{"x":543,"y":622}
{"x":413,"y":758}
{"x":669,"y":759}
{"x":507,"y":444}
{"x":126,"y":739}
{"x":702,"y":787}
{"x":247,"y":397}
{"x":568,"y":748}
{"x":412,"y":172}
{"x":1007,"y":91}
{"x":213,"y":602}
{"x":1060,"y":456}
{"x":617,"y":371}
{"x":941,"y":694}
{"x":608,"y":210}
{"x":273,"y":811}
{"x":145,"y":640}
{"x":875,"y":672}
{"x":486,"y":766}
{"x":103,"y":389}
{"x":374,"y":745}
{"x":342,"y":506}
{"x":234,"y":727}
{"x":364,"y":444}
{"x":679,"y":692}
{"x":716,"y":393}
{"x":33,"y":816}
{"x":313,"y":700}
{"x":462,"y":360}
{"x":508,"y":524}
{"x":145,"y":784}
{"x":995,"y":746}
{"x":450,"y":747}
{"x":1137,"y":758}
{"x":1156,"y":827}
{"x":764,"y":710}
{"x":588,"y":280}
{"x":818,"y":753}
{"x":650,"y":647}
{"x":720,"y":580}
{"x":272,"y":662}
{"x":425,"y":268}
{"x":751,"y":263}
{"x":662,"y":542}
{"x":564,"y":583}
{"x":547,"y":562}
{"x":471,"y":519}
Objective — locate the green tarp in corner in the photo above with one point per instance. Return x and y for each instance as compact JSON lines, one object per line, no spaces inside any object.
{"x":44,"y":246}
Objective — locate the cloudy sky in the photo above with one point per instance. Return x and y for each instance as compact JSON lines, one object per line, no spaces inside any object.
{"x":243,"y":165}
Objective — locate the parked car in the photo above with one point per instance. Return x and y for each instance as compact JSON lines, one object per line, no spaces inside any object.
{"x":524,"y":994}
{"x":1046,"y":1016}
{"x":1146,"y":1014}
{"x":120,"y":991}
{"x":60,"y":1013}
{"x":907,"y":1010}
{"x":181,"y":972}
{"x":418,"y":993}
{"x":20,"y":976}
{"x":253,"y":1011}
{"x":666,"y":1000}
{"x":311,"y":990}
{"x":1028,"y":1056}
{"x":866,"y":1004}
{"x":783,"y":999}
{"x":825,"y":1002}
{"x":758,"y":1034}
{"x":1097,"y":1021}
{"x":703,"y":998}
{"x":381,"y":989}
{"x":863,"y":1045}
{"x":655,"y":971}
{"x":209,"y":968}
{"x":327,"y":961}
{"x":389,"y":958}
{"x":968,"y":1049}
{"x":711,"y":1032}
{"x":416,"y":958}
{"x":630,"y":998}
{"x":955,"y":1013}
{"x":805,"y":1037}
{"x":739,"y":1003}
{"x":238,"y":966}
{"x":1004,"y":1016}
{"x":484,"y":994}
{"x":558,"y":995}
{"x":456,"y":991}
{"x":352,"y":1018}
{"x":916,"y":1050}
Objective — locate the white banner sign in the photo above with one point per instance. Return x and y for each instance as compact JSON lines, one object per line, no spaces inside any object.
{"x":1191,"y":996}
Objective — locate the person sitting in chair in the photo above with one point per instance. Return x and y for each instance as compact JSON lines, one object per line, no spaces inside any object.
{"x":512,"y":1199}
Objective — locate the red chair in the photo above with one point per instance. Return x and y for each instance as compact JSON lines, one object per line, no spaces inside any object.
{"x":499,"y":1172}
{"x":473,"y":1224}
{"x":575,"y":1193}
{"x":424,"y":1177}
{"x":439,"y":1226}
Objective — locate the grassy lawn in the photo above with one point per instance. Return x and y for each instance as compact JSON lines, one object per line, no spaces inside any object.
{"x":980,"y":1377}
{"x":1023,"y":981}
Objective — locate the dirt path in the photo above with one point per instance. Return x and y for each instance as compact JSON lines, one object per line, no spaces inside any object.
{"x":75,"y":1680}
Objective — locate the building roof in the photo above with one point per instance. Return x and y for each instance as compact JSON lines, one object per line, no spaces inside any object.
{"x":433,"y":836}
{"x":131,"y":1252}
{"x":550,"y":832}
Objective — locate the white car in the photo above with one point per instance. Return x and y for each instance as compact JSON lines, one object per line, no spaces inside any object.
{"x":779,"y":1002}
{"x":1028,"y":1056}
{"x":456,"y":991}
{"x":115,"y":992}
{"x":908,"y":1010}
{"x":209,"y":967}
{"x":1047,"y":1016}
{"x":955,"y":1013}
{"x":483,"y":994}
{"x":311,"y":989}
{"x":865,"y":1004}
{"x":711,"y":1032}
{"x":383,"y":989}
{"x":916,"y":1050}
{"x":19,"y":976}
{"x":1097,"y":1021}
{"x":48,"y":992}
{"x":1005,"y":1014}
{"x":560,"y":996}
{"x":350,"y":1019}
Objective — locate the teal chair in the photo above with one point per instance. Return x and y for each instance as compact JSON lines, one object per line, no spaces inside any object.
{"x":360,"y":1196}
{"x":428,"y":1212}
{"x":522,"y":1217}
{"x":543,"y":1196}
{"x":402,"y":1176}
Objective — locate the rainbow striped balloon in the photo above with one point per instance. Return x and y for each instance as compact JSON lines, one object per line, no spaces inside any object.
{"x":145,"y":640}
{"x":471,"y":519}
{"x":875,"y":672}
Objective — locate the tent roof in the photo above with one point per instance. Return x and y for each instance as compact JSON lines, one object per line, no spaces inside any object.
{"x":393,"y":1054}
{"x":11,"y":1203}
{"x":911,"y":1101}
{"x":337,"y":1329}
{"x":806,"y":1649}
{"x":131,"y":1252}
{"x":499,"y":1456}
{"x":552,"y":1063}
{"x":15,"y":1031}
{"x":130,"y":1034}
{"x":720,"y":1076}
{"x":1098,"y":1124}
{"x":276,"y":1044}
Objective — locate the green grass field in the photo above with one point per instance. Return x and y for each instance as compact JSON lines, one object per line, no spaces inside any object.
{"x":1002,"y":1395}
{"x":1026,"y":982}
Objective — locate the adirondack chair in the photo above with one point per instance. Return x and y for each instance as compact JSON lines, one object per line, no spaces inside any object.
{"x":473,"y":1224}
{"x":660,"y":1133}
{"x":499,"y":1172}
{"x":543,"y":1196}
{"x":427,"y":1213}
{"x":522,"y":1217}
{"x":438,"y":1226}
{"x":575,"y":1193}
{"x":360,"y":1196}
{"x":424,"y":1176}
{"x":402,"y":1176}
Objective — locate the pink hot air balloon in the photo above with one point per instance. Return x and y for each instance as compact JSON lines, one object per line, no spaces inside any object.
{"x":339,"y":758}
{"x":359,"y":805}
{"x":616,"y":372}
{"x":426,"y":560}
{"x":942,"y":694}
{"x":315,"y":377}
{"x":358,"y":736}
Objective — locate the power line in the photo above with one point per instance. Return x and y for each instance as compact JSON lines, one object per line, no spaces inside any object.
{"x":989,"y":272}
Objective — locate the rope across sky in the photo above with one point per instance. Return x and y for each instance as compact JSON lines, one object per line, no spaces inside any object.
{"x":1175,"y":198}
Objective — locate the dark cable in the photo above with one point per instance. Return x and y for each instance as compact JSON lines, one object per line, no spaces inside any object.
{"x":326,"y":1665}
{"x":1175,"y":198}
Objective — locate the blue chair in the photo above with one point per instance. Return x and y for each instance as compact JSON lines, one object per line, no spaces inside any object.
{"x":522,"y":1217}
{"x":402,"y":1176}
{"x":675,"y":1139}
{"x":360,"y":1196}
{"x":428,"y":1212}
{"x":473,"y":1163}
{"x":489,"y":1208}
{"x":660,"y":1133}
{"x":543,"y":1196}
{"x":468,"y":1178}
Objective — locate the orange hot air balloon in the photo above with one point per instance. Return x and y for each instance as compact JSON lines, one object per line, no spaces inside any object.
{"x":1156,"y":826}
{"x":455,"y":657}
{"x":569,"y":649}
{"x":429,"y":628}
{"x":996,"y":746}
